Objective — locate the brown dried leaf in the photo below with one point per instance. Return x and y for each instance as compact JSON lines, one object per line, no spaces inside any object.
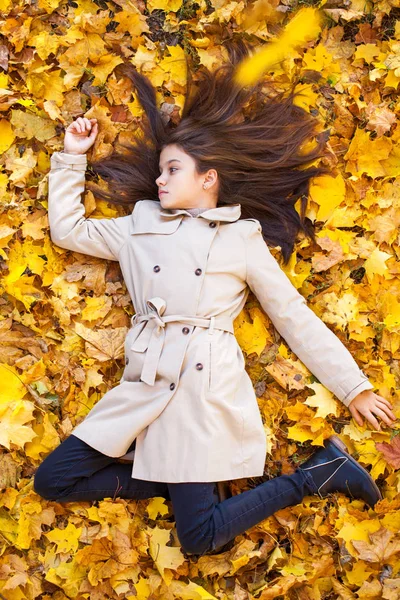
{"x":380,"y":548}
{"x":391,"y":451}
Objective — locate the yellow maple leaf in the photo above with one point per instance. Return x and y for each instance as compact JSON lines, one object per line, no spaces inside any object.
{"x":323,"y":400}
{"x":189,"y":591}
{"x":46,"y":440}
{"x":156,"y":507}
{"x":166,"y":5}
{"x":142,"y":588}
{"x":354,"y":529}
{"x":66,"y":540}
{"x":105,"y":65}
{"x":7,"y":135}
{"x":68,"y":576}
{"x":96,"y":307}
{"x":321,"y":60}
{"x":27,"y":125}
{"x":13,"y":424}
{"x":303,"y":27}
{"x":328,"y":192}
{"x":364,"y":154}
{"x":252,"y":337}
{"x":166,"y":558}
{"x":358,"y":574}
{"x":375,"y":263}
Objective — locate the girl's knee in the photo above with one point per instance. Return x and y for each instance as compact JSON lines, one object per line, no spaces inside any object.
{"x":206,"y":546}
{"x":194,"y":543}
{"x":196,"y":547}
{"x":42,"y":484}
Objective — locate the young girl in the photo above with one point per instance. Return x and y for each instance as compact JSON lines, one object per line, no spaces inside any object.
{"x":227,"y":176}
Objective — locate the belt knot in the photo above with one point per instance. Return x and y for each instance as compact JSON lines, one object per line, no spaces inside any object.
{"x":151,"y":338}
{"x":158,"y":306}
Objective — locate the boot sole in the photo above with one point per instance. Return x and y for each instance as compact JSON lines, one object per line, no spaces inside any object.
{"x":342,"y":446}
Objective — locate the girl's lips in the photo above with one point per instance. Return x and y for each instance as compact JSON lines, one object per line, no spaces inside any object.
{"x":159,"y":193}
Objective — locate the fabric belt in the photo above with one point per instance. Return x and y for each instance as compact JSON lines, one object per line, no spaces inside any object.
{"x":151,"y":338}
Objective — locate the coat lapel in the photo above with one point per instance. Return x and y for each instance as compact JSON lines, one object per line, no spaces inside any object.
{"x":149,"y":217}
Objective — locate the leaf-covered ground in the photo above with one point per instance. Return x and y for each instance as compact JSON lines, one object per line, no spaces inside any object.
{"x":64,"y":315}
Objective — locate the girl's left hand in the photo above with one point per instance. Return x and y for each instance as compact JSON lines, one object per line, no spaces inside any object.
{"x":367,"y":403}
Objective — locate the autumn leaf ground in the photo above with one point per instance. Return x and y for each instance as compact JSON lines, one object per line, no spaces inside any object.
{"x":64,"y":315}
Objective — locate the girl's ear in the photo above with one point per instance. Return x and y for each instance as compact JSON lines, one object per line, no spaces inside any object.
{"x":212,"y":176}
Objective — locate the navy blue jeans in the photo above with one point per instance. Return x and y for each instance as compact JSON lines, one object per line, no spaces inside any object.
{"x":75,"y":471}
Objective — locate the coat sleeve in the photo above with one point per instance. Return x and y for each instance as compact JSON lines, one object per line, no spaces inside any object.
{"x":69,"y":228}
{"x":311,"y":340}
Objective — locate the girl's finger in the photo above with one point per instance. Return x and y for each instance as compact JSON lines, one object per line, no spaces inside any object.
{"x":365,"y":411}
{"x":391,"y":415}
{"x":386,"y":410}
{"x":389,"y":409}
{"x":370,"y":417}
{"x":357,"y":417}
{"x":382,"y":415}
{"x":384,"y":400}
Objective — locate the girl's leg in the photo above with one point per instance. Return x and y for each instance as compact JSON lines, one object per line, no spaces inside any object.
{"x":75,"y":471}
{"x":203,"y":524}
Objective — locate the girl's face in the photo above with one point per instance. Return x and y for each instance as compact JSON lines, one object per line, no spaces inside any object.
{"x":182,"y":185}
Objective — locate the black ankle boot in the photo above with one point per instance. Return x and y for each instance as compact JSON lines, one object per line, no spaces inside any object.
{"x":334,"y":470}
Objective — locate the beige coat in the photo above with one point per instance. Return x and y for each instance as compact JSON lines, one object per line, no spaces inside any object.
{"x":185,"y":395}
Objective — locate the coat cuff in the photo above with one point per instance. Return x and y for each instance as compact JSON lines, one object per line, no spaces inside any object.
{"x":61,"y":160}
{"x":360,"y":387}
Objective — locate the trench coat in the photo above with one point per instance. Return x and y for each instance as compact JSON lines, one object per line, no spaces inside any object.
{"x":185,"y":395}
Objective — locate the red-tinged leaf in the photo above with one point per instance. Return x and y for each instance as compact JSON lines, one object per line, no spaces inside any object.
{"x":391,"y":451}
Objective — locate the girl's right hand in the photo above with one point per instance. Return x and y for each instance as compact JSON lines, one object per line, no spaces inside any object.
{"x":77,"y":140}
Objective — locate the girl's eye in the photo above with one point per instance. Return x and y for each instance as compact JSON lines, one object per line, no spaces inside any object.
{"x":175,"y":168}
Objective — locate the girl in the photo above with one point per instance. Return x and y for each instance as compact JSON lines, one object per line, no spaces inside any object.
{"x":227,"y":176}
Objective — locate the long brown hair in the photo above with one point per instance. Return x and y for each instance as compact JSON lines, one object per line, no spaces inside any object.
{"x":254,"y":140}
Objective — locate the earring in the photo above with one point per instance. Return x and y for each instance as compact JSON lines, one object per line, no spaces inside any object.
{"x":205,"y":186}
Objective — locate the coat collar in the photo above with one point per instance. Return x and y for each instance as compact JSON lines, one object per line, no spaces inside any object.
{"x":149,"y":217}
{"x":229,"y":213}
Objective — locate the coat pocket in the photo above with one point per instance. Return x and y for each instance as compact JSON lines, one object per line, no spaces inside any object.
{"x":213,"y":375}
{"x":200,"y":362}
{"x":209,"y":363}
{"x":225,"y":364}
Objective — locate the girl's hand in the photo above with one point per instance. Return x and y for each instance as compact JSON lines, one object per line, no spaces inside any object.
{"x":77,"y":140}
{"x":367,"y":403}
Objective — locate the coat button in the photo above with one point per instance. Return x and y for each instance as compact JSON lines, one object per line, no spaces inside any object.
{"x":172,"y":386}
{"x":198,"y":271}
{"x":185,"y":330}
{"x":126,"y":360}
{"x":199,"y":366}
{"x":156,"y":269}
{"x":212,"y":224}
